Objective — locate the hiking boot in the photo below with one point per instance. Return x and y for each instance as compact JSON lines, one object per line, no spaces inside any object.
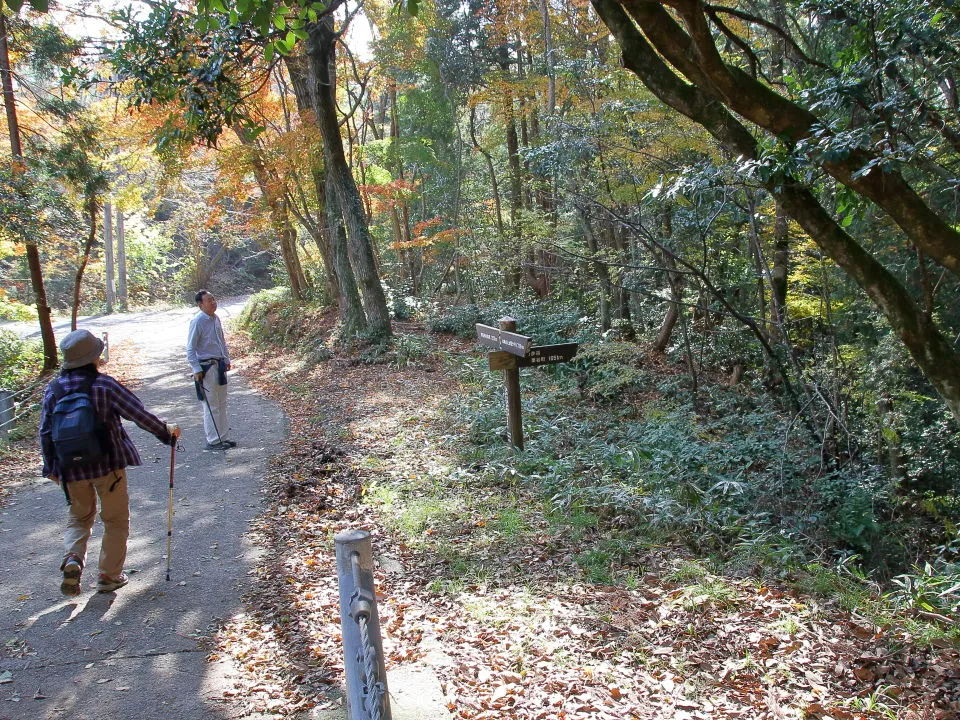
{"x":107,"y":584}
{"x":70,"y":585}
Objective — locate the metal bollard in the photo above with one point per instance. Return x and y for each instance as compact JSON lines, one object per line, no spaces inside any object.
{"x":363,"y":660}
{"x":6,"y":414}
{"x":106,"y":348}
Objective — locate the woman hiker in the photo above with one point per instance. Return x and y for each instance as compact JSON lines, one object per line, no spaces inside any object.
{"x":95,"y":468}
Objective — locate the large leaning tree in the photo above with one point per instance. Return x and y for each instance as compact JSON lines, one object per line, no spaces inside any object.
{"x":203,"y":62}
{"x":819,"y":100}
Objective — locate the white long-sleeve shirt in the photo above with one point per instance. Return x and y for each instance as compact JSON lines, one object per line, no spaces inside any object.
{"x":205,"y":340}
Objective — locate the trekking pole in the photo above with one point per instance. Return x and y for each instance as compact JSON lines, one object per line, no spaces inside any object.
{"x":173,"y":455}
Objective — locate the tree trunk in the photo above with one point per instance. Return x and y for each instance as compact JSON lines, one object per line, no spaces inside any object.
{"x":495,"y":190}
{"x":279,"y":217}
{"x":121,"y":263}
{"x":662,"y":340}
{"x":620,"y":293}
{"x":351,"y":306}
{"x":409,"y":255}
{"x":513,"y":269}
{"x":600,"y":269}
{"x":675,"y":281}
{"x":84,"y":259}
{"x":323,"y":239}
{"x":330,"y":235}
{"x":548,"y":56}
{"x":322,"y":49}
{"x":780,"y":272}
{"x":298,"y":72}
{"x":109,"y":295}
{"x":761,"y":272}
{"x":933,"y":353}
{"x":50,"y":357}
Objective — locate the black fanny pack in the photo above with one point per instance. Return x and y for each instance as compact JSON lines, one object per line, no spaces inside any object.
{"x":205,"y":366}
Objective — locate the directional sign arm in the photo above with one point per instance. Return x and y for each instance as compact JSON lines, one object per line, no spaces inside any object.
{"x":548,"y":354}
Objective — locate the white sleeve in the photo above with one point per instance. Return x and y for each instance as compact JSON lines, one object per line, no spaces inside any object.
{"x":223,"y":341}
{"x":192,"y":347}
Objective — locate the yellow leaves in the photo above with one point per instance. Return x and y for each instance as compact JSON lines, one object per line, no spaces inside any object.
{"x":414,"y":243}
{"x":12,"y":248}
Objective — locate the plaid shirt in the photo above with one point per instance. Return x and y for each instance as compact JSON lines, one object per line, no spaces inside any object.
{"x":112,"y":402}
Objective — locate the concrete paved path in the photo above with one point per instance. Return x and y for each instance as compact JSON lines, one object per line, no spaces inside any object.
{"x":137,"y":653}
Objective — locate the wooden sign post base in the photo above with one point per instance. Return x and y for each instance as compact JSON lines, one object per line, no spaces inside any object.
{"x":509,"y":353}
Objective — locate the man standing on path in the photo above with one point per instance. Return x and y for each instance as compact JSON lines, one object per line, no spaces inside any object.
{"x":94,"y":472}
{"x":209,"y":360}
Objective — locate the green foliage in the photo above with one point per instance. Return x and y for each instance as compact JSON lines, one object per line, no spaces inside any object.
{"x":934,"y":588}
{"x":151,"y":263}
{"x":16,"y":311}
{"x":410,"y":349}
{"x":38,"y":5}
{"x":180,"y":60}
{"x":899,"y":422}
{"x":33,"y":206}
{"x":611,"y":369}
{"x":20,"y":360}
{"x":735,"y":481}
{"x":268,"y":315}
{"x":596,"y":563}
{"x":547,"y":322}
{"x":455,"y":320}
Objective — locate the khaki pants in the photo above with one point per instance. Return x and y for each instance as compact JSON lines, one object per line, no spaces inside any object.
{"x":114,"y":511}
{"x":215,"y":407}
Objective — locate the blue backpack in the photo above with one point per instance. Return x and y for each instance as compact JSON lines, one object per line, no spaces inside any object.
{"x":79,"y":437}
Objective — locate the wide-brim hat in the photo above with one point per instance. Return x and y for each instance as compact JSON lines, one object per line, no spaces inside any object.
{"x":79,"y":348}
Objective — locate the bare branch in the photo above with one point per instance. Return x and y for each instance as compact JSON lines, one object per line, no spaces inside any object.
{"x":772,"y":27}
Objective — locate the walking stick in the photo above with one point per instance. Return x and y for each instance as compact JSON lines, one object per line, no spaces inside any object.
{"x":173,"y":455}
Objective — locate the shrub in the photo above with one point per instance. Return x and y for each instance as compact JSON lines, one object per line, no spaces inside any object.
{"x":610,"y":369}
{"x":933,"y":588}
{"x":455,"y":320}
{"x":732,"y":478}
{"x":546,"y":321}
{"x":15,"y":311}
{"x":20,"y":360}
{"x":267,"y":314}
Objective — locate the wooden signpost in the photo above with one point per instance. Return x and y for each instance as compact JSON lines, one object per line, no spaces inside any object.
{"x":510,"y":352}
